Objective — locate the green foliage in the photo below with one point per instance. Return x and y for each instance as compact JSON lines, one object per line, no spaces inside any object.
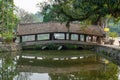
{"x":81,"y":10}
{"x":8,"y":37}
{"x":71,"y":46}
{"x":113,"y":34}
{"x":7,"y":18}
{"x":51,"y":13}
{"x":32,"y":47}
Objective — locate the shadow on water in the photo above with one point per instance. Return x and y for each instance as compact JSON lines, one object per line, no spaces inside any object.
{"x":56,"y":65}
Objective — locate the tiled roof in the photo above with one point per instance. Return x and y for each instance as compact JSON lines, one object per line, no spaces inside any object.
{"x":37,"y":28}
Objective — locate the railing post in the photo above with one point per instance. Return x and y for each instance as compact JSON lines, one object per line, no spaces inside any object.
{"x":91,"y":38}
{"x":99,"y":40}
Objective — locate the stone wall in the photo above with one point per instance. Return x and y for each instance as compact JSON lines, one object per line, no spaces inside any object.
{"x":111,"y":53}
{"x":10,"y":47}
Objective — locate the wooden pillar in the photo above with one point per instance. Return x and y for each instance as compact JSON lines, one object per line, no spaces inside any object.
{"x":51,"y":36}
{"x":35,"y":37}
{"x":78,"y":37}
{"x":85,"y":38}
{"x":69,"y":36}
{"x":65,"y":36}
{"x":99,"y":40}
{"x":91,"y":38}
{"x":20,"y":39}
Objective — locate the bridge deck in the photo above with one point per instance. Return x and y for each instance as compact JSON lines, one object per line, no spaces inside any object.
{"x":57,"y":42}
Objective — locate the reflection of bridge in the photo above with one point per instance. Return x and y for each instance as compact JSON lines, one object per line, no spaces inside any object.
{"x":44,"y":33}
{"x":38,"y":69}
{"x":57,"y":64}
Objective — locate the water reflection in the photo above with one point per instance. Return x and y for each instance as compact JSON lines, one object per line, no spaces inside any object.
{"x":56,"y":65}
{"x":7,"y":66}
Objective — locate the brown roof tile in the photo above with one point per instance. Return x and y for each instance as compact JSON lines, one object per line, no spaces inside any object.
{"x":36,"y":28}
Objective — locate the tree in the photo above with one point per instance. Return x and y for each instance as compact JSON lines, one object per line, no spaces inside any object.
{"x":50,"y":12}
{"x":113,"y":35}
{"x":83,"y":10}
{"x":38,"y":17}
{"x":26,"y":17}
{"x":8,"y":19}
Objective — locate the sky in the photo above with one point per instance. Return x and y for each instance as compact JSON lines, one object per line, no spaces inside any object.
{"x":28,"y":5}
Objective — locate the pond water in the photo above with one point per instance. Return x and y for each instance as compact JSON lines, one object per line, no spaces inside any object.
{"x":57,"y":65}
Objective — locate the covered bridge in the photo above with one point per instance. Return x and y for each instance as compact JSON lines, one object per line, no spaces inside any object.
{"x":53,"y":31}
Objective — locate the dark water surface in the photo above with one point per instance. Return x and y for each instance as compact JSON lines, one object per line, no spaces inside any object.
{"x":57,"y":65}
